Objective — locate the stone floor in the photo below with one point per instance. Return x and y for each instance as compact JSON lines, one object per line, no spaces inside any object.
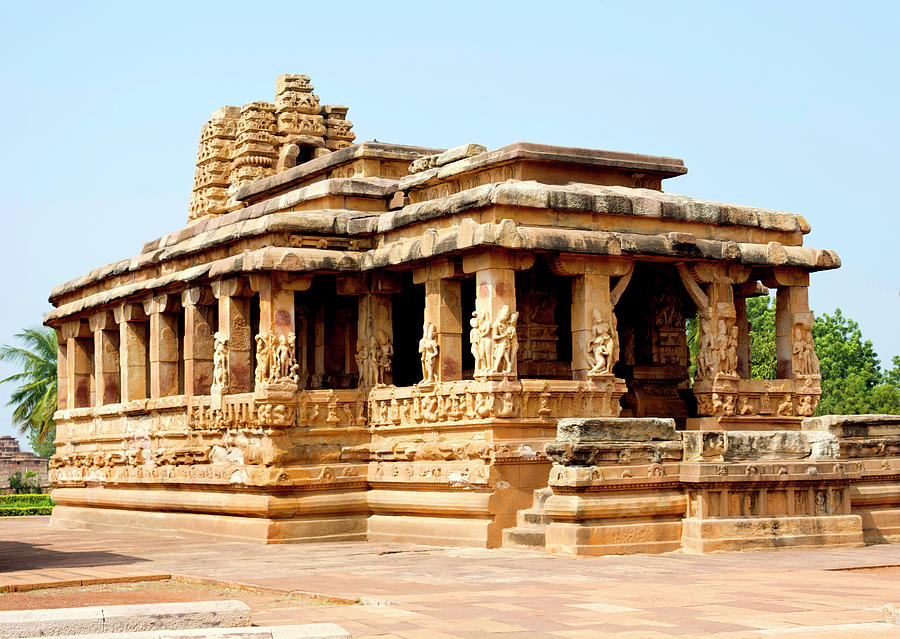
{"x":416,"y":591}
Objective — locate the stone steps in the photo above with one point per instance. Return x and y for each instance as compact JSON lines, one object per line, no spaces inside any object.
{"x":530,"y":531}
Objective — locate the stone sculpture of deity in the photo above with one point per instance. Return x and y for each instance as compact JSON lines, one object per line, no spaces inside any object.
{"x":505,"y":345}
{"x":601,"y":352}
{"x":220,"y":362}
{"x":428,"y":349}
{"x":383,"y":354}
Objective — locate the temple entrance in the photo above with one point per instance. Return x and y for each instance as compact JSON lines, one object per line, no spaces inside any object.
{"x":654,"y":359}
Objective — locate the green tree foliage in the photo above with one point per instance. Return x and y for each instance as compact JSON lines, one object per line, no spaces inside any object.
{"x":42,"y":447}
{"x":761,"y":315}
{"x":34,"y":397}
{"x":852,"y":380}
{"x":29,"y":484}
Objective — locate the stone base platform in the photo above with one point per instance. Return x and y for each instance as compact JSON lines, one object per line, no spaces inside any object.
{"x":769,"y":533}
{"x":214,"y":527}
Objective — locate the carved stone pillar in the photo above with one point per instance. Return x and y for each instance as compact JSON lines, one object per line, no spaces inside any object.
{"x":443,"y":310}
{"x":107,"y":376}
{"x":375,"y":334}
{"x":793,"y":325}
{"x":234,"y":328}
{"x":716,"y":384}
{"x":79,"y":362}
{"x":133,"y":350}
{"x":595,"y":340}
{"x":62,"y":371}
{"x":718,"y":316}
{"x":493,"y":326}
{"x":276,"y":359}
{"x":199,"y":344}
{"x":165,"y":356}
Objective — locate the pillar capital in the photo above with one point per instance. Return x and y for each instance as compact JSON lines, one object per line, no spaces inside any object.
{"x":163,"y":303}
{"x":197,"y":296}
{"x":73,"y":329}
{"x":574,"y":264}
{"x":496,"y":258}
{"x":231,"y":287}
{"x":787,"y":276}
{"x":436,"y":270}
{"x":715,"y":272}
{"x":102,"y":321}
{"x":129,"y":312}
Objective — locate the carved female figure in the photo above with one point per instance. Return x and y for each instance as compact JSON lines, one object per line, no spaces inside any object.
{"x":503,"y":332}
{"x":220,"y":361}
{"x":263,"y":358}
{"x":428,"y":349}
{"x":475,"y":341}
{"x":384,"y":354}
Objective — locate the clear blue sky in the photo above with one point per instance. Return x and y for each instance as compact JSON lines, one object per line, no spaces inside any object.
{"x":792,"y":106}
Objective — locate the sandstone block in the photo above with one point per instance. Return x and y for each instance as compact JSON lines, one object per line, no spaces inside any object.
{"x":631,"y":429}
{"x":128,"y":618}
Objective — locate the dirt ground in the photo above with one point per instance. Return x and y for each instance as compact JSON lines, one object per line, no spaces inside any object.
{"x":143,"y":592}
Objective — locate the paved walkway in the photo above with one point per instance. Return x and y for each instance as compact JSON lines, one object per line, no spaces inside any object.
{"x":418,"y":591}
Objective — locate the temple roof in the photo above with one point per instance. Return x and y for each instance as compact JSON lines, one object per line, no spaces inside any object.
{"x":360,"y":208}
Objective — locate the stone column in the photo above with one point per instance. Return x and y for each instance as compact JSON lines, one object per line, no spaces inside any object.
{"x":234,"y":326}
{"x":199,"y":344}
{"x":495,"y":310}
{"x":164,"y":345}
{"x":107,"y":376}
{"x":79,"y":362}
{"x":718,"y":317}
{"x":276,"y":317}
{"x":443,"y":310}
{"x":133,"y":351}
{"x":793,"y":325}
{"x":62,"y":371}
{"x":593,"y":315}
{"x":375,"y":331}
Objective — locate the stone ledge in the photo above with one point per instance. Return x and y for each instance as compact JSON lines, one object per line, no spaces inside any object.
{"x":301,"y":172}
{"x":307,"y":631}
{"x":127,"y":618}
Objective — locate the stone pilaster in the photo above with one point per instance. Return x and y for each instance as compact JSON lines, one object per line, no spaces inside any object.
{"x":199,"y":344}
{"x":277,"y":339}
{"x":62,"y":370}
{"x":793,"y":325}
{"x":595,"y":341}
{"x":234,"y":327}
{"x":79,"y":362}
{"x":165,"y":353}
{"x":107,"y":376}
{"x":443,"y":310}
{"x":133,"y":350}
{"x":493,"y":326}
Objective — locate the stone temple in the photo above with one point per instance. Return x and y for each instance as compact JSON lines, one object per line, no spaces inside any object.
{"x":458,"y":347}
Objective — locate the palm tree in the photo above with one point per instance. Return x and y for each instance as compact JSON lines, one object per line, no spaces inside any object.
{"x":34,"y":398}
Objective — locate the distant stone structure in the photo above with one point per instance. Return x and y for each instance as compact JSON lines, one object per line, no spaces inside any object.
{"x":13,"y":460}
{"x":461,"y":346}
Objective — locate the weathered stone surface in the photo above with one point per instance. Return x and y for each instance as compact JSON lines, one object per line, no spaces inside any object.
{"x":854,"y":425}
{"x":753,"y":445}
{"x":128,"y":618}
{"x":306,"y":631}
{"x":616,"y":429}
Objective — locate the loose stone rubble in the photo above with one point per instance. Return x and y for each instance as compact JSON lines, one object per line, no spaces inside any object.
{"x":377,"y":341}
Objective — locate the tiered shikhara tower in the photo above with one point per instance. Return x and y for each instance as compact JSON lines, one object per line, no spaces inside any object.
{"x":241,"y":145}
{"x":387,"y":342}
